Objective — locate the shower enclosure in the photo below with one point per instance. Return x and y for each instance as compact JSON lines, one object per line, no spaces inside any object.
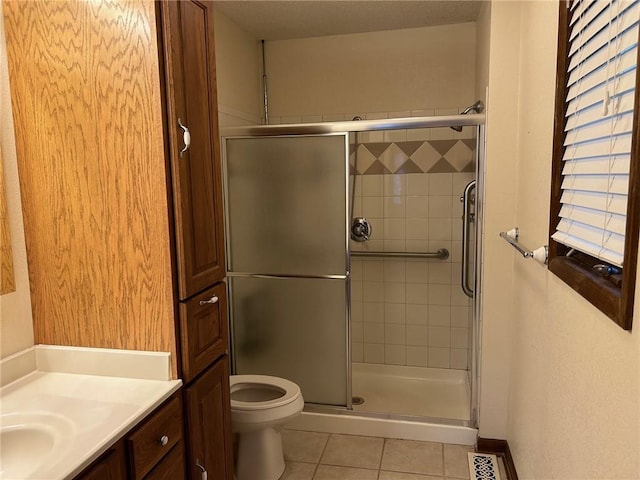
{"x":352,"y":262}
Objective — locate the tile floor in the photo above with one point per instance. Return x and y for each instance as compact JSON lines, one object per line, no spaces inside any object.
{"x":324,"y":456}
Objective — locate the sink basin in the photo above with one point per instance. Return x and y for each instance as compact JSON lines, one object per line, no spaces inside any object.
{"x":28,"y":440}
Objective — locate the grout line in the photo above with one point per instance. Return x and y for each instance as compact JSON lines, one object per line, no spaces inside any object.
{"x":321,"y":455}
{"x":379,"y":468}
{"x":384,"y":444}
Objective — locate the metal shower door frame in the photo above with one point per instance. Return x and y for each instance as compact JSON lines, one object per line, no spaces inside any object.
{"x":346,"y":276}
{"x":476,"y":358}
{"x":344,"y":128}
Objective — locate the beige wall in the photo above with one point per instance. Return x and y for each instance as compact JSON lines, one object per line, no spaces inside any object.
{"x":16,"y":327}
{"x":390,"y":71}
{"x":499,"y":215}
{"x":238,"y":73}
{"x":573,"y":386}
{"x":483,"y":28}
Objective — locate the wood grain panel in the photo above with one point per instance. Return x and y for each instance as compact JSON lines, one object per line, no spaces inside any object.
{"x":172,"y":467}
{"x":7,"y":279}
{"x":86,"y":99}
{"x":209,"y":423}
{"x":197,"y":175}
{"x":110,"y":466}
{"x":614,"y":301}
{"x":203,"y":330}
{"x":144,"y":446}
{"x":501,"y":449}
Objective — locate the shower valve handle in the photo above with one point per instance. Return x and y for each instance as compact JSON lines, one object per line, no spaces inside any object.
{"x":361,"y":232}
{"x":361,"y":229}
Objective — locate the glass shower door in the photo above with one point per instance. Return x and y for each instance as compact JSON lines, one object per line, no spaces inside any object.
{"x":286,"y":214}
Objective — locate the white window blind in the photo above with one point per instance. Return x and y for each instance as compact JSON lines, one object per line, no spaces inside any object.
{"x":600,"y":99}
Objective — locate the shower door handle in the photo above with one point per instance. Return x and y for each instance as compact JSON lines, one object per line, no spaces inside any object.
{"x":468,"y":217}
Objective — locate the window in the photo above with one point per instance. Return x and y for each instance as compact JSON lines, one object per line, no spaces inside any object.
{"x":595,"y":197}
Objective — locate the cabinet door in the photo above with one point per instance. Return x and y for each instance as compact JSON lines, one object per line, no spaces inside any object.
{"x":203,"y":330}
{"x":171,"y":467}
{"x":209,"y":424}
{"x":191,"y":103}
{"x":152,"y":440}
{"x":111,"y":466}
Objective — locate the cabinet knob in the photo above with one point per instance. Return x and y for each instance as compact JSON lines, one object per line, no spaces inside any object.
{"x":203,"y":471}
{"x":212,"y":300}
{"x":164,"y":440}
{"x":186,"y":137}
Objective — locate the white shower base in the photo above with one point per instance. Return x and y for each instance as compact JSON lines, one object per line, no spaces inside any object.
{"x":412,"y":391}
{"x":429,"y":405}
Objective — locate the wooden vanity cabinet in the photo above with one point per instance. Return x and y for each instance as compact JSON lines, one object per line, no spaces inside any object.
{"x":210,"y":426}
{"x":153,"y":450}
{"x":112,"y":465}
{"x":152,"y":440}
{"x":190,"y":102}
{"x":203,"y":330}
{"x":172,"y":467}
{"x":122,"y":210}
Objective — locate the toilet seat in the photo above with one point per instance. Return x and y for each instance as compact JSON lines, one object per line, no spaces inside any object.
{"x":260,"y":407}
{"x":290,"y":390}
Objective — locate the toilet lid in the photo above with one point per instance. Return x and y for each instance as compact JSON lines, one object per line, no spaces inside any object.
{"x":285,"y":390}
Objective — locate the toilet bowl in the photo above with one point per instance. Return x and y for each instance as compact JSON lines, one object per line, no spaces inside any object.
{"x":260,"y":406}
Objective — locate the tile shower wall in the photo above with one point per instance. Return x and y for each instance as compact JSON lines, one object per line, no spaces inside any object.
{"x":411,"y":311}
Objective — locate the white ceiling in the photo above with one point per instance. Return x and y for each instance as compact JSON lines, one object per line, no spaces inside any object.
{"x":279,"y":20}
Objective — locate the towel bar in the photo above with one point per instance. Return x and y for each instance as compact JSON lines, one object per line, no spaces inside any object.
{"x":442,"y":254}
{"x":540,"y":254}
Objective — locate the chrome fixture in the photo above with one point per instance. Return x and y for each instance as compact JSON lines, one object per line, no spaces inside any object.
{"x":361,"y":229}
{"x":468,"y":200}
{"x":360,"y":226}
{"x":384,"y":124}
{"x":477,"y":107}
{"x":265,"y":96}
{"x":442,"y":254}
{"x":540,"y":254}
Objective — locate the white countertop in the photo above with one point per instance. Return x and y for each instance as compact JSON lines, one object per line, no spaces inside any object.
{"x":83,"y":413}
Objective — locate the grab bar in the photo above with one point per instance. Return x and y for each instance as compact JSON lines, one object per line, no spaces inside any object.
{"x":540,"y":254}
{"x":442,"y":254}
{"x":468,"y":217}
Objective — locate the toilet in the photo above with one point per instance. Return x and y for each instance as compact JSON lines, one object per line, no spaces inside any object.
{"x":260,"y":406}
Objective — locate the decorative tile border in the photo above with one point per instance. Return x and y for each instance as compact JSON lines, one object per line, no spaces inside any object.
{"x":432,"y":156}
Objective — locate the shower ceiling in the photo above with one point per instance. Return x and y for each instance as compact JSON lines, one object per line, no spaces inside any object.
{"x":280,"y":20}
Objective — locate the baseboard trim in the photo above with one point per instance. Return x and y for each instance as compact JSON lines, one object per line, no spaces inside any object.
{"x":500,"y":448}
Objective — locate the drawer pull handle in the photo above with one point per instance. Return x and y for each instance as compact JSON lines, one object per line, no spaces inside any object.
{"x":164,"y":440}
{"x":203,"y":472}
{"x":186,"y":138}
{"x":212,"y":300}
